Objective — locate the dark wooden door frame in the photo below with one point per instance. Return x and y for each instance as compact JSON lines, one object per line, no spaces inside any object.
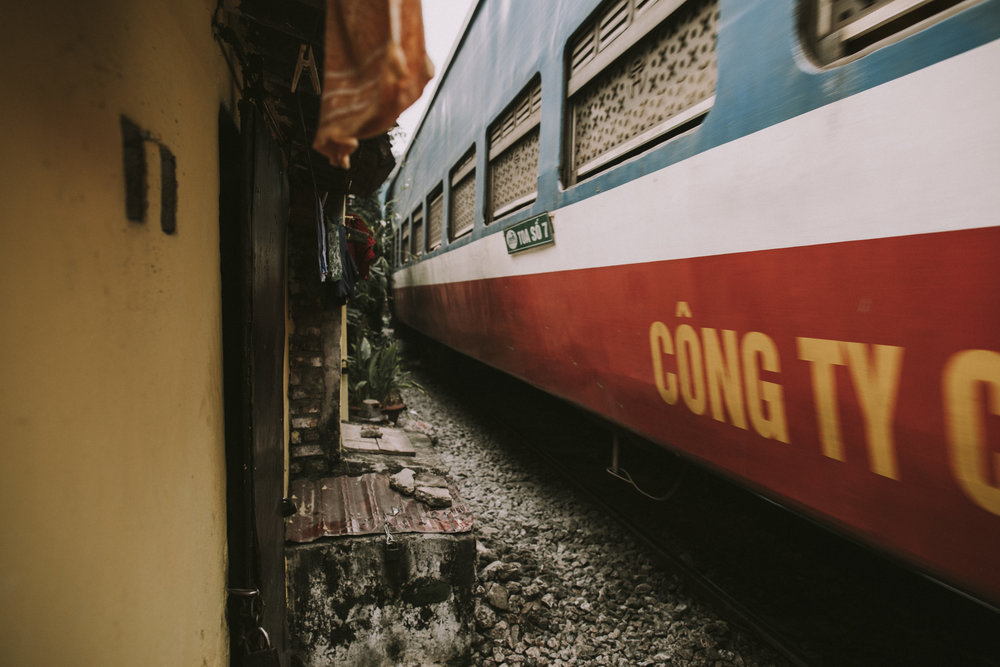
{"x":253,"y":210}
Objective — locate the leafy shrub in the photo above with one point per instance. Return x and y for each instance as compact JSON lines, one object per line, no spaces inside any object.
{"x":379,"y":373}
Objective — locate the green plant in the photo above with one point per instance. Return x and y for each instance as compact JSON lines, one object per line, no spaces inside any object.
{"x":379,"y":373}
{"x":369,"y":301}
{"x":367,"y":308}
{"x":373,"y":365}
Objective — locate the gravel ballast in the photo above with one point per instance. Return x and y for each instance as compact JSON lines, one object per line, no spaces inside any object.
{"x":558,"y":581}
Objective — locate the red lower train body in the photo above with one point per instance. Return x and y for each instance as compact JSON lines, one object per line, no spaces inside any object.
{"x":832,"y":377}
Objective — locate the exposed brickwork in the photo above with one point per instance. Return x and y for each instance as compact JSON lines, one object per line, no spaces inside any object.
{"x":314,"y":351}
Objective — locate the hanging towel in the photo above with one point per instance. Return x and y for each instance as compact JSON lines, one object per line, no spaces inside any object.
{"x":375,"y":67}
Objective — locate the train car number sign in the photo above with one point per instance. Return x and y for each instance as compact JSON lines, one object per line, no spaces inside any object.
{"x":529,"y":233}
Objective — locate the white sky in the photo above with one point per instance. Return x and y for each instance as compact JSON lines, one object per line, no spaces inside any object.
{"x":442,"y":21}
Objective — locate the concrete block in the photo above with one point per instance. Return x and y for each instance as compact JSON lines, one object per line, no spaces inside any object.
{"x":352,"y":603}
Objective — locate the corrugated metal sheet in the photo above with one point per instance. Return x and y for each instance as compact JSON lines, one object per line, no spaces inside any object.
{"x":336,"y":506}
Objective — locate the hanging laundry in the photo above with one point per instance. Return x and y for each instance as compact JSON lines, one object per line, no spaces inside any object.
{"x":337,"y":265}
{"x":332,"y":247}
{"x":324,"y":266}
{"x":349,"y":273}
{"x":334,"y":252}
{"x":331,"y":251}
{"x":375,"y":67}
{"x":338,"y":290}
{"x":361,"y":243}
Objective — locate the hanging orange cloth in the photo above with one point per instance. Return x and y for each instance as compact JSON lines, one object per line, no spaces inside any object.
{"x":375,"y":67}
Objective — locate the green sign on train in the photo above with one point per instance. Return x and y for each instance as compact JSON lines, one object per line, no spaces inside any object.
{"x":529,"y":233}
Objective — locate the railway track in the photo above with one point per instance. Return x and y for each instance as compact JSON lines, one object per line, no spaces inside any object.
{"x":814,"y":597}
{"x":703,"y":586}
{"x":530,"y":434}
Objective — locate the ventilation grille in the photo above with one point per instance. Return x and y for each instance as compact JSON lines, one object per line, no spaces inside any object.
{"x":515,"y":175}
{"x":616,"y":26}
{"x":523,"y":113}
{"x":418,"y":224}
{"x":662,"y":85}
{"x":435,"y":214}
{"x":462,"y":212}
{"x":514,"y":142}
{"x":614,"y":22}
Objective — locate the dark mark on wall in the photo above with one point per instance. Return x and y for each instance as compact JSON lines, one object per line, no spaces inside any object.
{"x":134,"y":139}
{"x":135,"y":171}
{"x":168,"y":191}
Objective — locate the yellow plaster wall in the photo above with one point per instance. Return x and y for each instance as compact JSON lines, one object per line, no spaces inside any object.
{"x":112,"y":475}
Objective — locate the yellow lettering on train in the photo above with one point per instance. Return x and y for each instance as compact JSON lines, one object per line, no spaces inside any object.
{"x":765,"y":400}
{"x":877,"y":387}
{"x":683,"y":309}
{"x":824,"y":355}
{"x":875,"y":377}
{"x":724,"y":377}
{"x":690,"y":371}
{"x":970,"y":377}
{"x":733,"y":370}
{"x":660,"y":344}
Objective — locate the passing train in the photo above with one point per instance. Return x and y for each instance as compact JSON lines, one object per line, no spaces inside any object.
{"x":763,"y":234}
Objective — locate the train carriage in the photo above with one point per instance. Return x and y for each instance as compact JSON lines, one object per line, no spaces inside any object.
{"x":762,"y":234}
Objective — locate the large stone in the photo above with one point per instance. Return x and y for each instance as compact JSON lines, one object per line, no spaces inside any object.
{"x":403,"y":481}
{"x":484,"y":554}
{"x":427,"y":478}
{"x":433,"y":496}
{"x":489,"y":572}
{"x":496,"y":596}
{"x":486,"y":618}
{"x":500,"y":571}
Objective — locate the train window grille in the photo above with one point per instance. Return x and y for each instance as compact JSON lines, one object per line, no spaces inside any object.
{"x":404,"y":243}
{"x":394,"y":260}
{"x":513,"y":156}
{"x":640,"y":72}
{"x":418,"y":225}
{"x":838,"y":30}
{"x":435,"y":214}
{"x":462,"y":209}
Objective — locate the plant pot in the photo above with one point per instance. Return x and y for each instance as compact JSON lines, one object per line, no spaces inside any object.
{"x":393,"y":411}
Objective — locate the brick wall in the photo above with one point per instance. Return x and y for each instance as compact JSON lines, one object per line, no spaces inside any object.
{"x":314,"y":349}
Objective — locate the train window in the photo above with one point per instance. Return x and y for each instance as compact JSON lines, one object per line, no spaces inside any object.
{"x":462,"y":209}
{"x":513,"y":157}
{"x":435,"y":214}
{"x":418,"y":226}
{"x":638,"y":73}
{"x":404,"y":242}
{"x":839,"y":29}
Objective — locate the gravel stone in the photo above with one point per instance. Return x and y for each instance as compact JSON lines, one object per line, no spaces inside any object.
{"x":497,"y":596}
{"x":559,"y":583}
